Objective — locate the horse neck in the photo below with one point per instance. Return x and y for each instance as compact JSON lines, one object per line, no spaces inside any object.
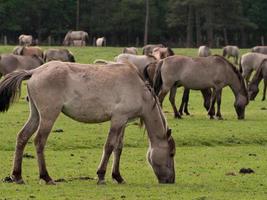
{"x":155,"y":124}
{"x":236,"y":85}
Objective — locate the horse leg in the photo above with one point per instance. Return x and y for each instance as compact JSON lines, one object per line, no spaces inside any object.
{"x":218,"y":98}
{"x":211,"y":111}
{"x":172,"y":100}
{"x":116,"y":175}
{"x":162,"y":95}
{"x":236,"y":60}
{"x":206,"y":93}
{"x":264,"y":89}
{"x":112,"y":140}
{"x":184,"y":104}
{"x":24,"y":135}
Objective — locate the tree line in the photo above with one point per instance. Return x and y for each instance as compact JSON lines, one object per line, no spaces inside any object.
{"x":180,"y":23}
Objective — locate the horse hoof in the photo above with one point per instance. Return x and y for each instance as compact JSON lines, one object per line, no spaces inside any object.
{"x":101,"y":182}
{"x":211,"y":117}
{"x":177,"y":116}
{"x":11,"y":179}
{"x":187,"y":113}
{"x":219,"y":118}
{"x":51,"y":182}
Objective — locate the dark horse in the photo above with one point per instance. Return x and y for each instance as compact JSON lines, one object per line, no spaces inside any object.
{"x":90,"y":94}
{"x":200,"y":73}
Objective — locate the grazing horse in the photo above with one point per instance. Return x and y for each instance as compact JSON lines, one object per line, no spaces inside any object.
{"x":101,"y":42}
{"x":71,"y":36}
{"x":253,"y":87}
{"x":231,"y":51}
{"x":162,"y":52}
{"x":130,"y":50}
{"x":201,"y":73}
{"x":149,"y":74}
{"x":11,"y":62}
{"x":28,"y":51}
{"x":90,"y":94}
{"x":250,"y":62}
{"x":148,"y":49}
{"x":259,"y":49}
{"x":204,"y":51}
{"x":63,"y":55}
{"x":25,"y":40}
{"x":140,"y":61}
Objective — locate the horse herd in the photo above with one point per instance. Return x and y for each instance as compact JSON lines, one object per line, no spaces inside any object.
{"x":132,"y":86}
{"x":72,"y":38}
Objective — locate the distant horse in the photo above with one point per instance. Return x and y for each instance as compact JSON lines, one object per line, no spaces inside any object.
{"x":204,"y":51}
{"x":28,"y":51}
{"x":90,"y":94}
{"x":162,"y":52}
{"x":130,"y":50}
{"x":79,"y":43}
{"x":71,"y":36}
{"x":148,"y":49}
{"x":259,"y":49}
{"x":250,"y":62}
{"x":140,"y":61}
{"x":231,"y":51}
{"x":149,"y":74}
{"x":101,"y":42}
{"x":63,"y":55}
{"x":253,"y":87}
{"x":202,"y":73}
{"x":25,"y":40}
{"x":11,"y":62}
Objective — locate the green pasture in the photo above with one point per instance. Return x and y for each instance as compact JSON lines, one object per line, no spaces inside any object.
{"x":209,"y":153}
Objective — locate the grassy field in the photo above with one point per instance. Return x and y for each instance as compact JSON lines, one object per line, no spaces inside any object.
{"x":209,"y":153}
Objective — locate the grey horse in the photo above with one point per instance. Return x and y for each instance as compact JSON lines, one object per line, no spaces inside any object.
{"x":90,"y":94}
{"x":259,"y":49}
{"x":63,"y":55}
{"x":25,"y":40}
{"x":11,"y":62}
{"x":71,"y":36}
{"x":231,"y":51}
{"x":28,"y":51}
{"x":204,"y":51}
{"x":130,"y":50}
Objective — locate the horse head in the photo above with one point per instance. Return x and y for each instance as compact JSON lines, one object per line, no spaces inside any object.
{"x":162,"y":160}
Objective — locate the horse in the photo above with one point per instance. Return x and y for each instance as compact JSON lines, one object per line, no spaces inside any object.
{"x":130,"y":50}
{"x":162,"y":52}
{"x":148,"y":49}
{"x":140,"y":61}
{"x":250,"y":62}
{"x":253,"y":87}
{"x":101,"y":42}
{"x":28,"y":51}
{"x":90,"y":94}
{"x":25,"y":40}
{"x":259,"y":49}
{"x":201,"y":73}
{"x":79,"y":43}
{"x":149,"y":74}
{"x":75,"y":35}
{"x":204,"y":51}
{"x":63,"y":55}
{"x":11,"y":62}
{"x":231,"y":51}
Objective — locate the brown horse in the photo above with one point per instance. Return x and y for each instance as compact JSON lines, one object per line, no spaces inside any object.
{"x":90,"y":94}
{"x":149,"y":74}
{"x":253,"y":87}
{"x":201,"y":73}
{"x":28,"y":51}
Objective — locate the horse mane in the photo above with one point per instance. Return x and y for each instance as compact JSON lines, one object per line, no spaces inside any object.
{"x":170,"y":51}
{"x":257,"y":75}
{"x":236,"y":71}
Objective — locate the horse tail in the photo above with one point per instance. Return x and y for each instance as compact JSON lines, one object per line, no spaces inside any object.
{"x":157,"y":83}
{"x":10,"y":88}
{"x":240,"y":66}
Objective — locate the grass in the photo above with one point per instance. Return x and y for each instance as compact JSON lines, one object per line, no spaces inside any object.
{"x":209,"y":153}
